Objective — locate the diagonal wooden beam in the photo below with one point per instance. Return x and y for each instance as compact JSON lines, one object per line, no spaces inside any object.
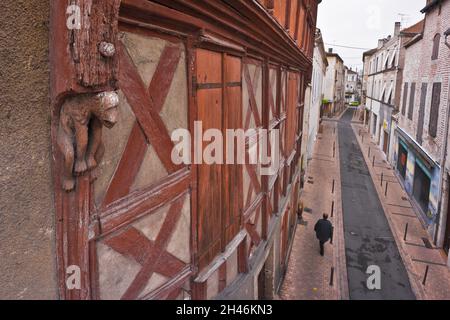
{"x":251,"y":229}
{"x":251,"y":93}
{"x":153,"y":259}
{"x":128,"y":167}
{"x":163,"y":76}
{"x":133,"y":244}
{"x":143,"y":108}
{"x":136,"y":147}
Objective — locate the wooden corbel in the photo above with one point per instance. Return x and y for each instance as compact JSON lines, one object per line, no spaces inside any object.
{"x":83,"y":71}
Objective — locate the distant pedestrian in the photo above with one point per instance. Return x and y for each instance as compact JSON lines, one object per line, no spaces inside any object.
{"x":324,"y":232}
{"x":300,"y":211}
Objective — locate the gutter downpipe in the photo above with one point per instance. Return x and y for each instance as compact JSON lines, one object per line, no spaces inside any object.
{"x":443,"y":167}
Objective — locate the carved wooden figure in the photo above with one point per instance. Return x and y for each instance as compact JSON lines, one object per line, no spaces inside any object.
{"x":80,"y":132}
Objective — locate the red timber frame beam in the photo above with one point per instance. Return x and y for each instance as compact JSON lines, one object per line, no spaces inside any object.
{"x":82,"y":63}
{"x":258,"y":31}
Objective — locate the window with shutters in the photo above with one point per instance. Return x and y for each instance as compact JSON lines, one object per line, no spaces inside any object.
{"x":405,"y":98}
{"x":423,"y":99}
{"x":436,"y":43}
{"x":219,"y":188}
{"x":434,"y":113}
{"x":411,"y":100}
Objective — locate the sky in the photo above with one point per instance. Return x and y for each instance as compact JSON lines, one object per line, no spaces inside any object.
{"x":360,"y":23}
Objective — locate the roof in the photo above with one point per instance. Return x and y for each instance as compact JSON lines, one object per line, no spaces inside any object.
{"x":335,"y":55}
{"x":414,"y":29}
{"x":431,"y":5}
{"x":369,"y":53}
{"x":321,"y":46}
{"x":350,"y":70}
{"x":414,"y":40}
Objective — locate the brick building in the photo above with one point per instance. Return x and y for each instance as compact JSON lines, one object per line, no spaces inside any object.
{"x":383,"y":73}
{"x":422,"y":134}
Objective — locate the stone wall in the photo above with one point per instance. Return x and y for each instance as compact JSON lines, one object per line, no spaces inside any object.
{"x":27,"y":257}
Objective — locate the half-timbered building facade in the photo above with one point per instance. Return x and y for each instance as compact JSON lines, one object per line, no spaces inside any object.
{"x":137,"y":225}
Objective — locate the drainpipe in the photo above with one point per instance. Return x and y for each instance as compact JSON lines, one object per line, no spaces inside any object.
{"x":443,"y":157}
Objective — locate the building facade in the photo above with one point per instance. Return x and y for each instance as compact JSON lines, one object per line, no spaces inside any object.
{"x":334,"y":92}
{"x":116,"y":214}
{"x":421,"y":150}
{"x":384,"y":78}
{"x":352,"y":81}
{"x":315,"y":94}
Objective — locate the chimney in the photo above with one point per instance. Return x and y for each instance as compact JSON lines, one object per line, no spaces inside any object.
{"x":330,"y":50}
{"x":398,"y":26}
{"x":380,"y":43}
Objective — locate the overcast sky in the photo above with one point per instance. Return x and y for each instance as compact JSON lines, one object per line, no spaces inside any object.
{"x":360,"y":23}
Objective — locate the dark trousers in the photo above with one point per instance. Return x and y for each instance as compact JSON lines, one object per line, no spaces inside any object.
{"x":322,"y":248}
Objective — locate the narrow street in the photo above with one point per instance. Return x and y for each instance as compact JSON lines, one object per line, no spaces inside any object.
{"x":368,"y":238}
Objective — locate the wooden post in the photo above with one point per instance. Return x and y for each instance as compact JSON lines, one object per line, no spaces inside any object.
{"x":332,"y":209}
{"x":332,"y":277}
{"x":424,"y":282}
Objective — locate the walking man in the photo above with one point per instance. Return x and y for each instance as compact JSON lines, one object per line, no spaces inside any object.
{"x":324,"y":232}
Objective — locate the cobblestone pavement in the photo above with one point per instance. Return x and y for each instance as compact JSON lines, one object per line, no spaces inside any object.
{"x":416,"y":251}
{"x":309,"y":275}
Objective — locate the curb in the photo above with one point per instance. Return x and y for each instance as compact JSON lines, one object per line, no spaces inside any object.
{"x":340,"y":260}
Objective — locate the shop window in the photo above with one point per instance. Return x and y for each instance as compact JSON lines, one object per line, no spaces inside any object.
{"x":421,"y":190}
{"x":402,"y":160}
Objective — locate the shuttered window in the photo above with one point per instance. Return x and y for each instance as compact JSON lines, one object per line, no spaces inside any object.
{"x":411,"y":101}
{"x":405,"y":98}
{"x":219,"y":187}
{"x":423,"y":99}
{"x":436,"y":43}
{"x":434,"y":113}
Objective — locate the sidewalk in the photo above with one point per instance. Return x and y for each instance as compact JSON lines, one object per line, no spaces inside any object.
{"x":309,"y":275}
{"x":415,"y":251}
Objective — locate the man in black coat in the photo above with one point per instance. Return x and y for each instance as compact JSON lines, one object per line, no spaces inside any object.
{"x":324,"y":232}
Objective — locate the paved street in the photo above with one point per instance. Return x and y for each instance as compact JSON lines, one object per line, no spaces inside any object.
{"x":308,"y":275}
{"x":368,"y":238}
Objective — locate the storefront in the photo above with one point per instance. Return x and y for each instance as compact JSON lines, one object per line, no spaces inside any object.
{"x":402,"y":159}
{"x":419,"y":174}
